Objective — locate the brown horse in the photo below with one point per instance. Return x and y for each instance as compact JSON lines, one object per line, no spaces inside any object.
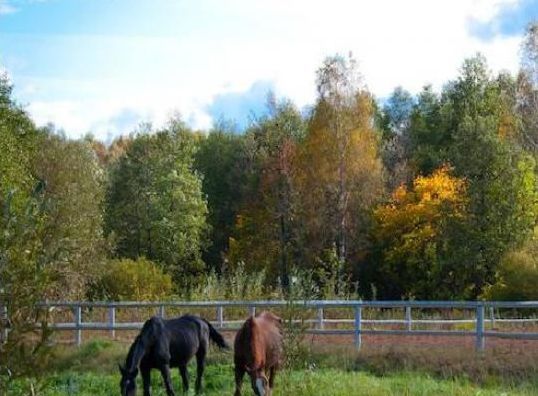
{"x":258,"y":350}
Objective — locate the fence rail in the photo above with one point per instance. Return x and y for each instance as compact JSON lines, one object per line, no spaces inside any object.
{"x":319,"y":322}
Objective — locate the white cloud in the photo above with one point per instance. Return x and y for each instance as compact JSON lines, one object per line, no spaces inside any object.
{"x":6,"y":8}
{"x":407,"y":43}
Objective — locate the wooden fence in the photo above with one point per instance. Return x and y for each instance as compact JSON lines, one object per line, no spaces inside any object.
{"x":483,"y":313}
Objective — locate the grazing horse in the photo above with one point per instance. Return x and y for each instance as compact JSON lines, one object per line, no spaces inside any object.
{"x":258,"y":350}
{"x":162,"y":344}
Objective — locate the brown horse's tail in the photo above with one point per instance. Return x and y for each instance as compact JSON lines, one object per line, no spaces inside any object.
{"x":216,"y":337}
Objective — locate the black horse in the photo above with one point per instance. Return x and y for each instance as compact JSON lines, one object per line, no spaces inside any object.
{"x":162,"y":344}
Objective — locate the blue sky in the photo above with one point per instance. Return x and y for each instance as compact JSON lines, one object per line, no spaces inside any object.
{"x":103,"y":66}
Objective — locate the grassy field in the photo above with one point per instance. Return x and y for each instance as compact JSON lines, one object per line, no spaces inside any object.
{"x":218,"y":381}
{"x":91,"y":370}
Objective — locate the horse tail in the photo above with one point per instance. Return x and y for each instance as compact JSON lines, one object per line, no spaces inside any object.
{"x":216,"y":337}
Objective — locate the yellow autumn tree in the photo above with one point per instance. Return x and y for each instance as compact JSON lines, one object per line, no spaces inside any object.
{"x":412,"y":235}
{"x":339,"y":168}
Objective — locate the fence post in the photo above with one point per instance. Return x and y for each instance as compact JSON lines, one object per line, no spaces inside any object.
{"x":220,"y":317}
{"x":492,"y":316}
{"x":78,"y":325}
{"x":480,"y":344}
{"x":162,"y":312}
{"x":112,"y":321}
{"x":321,"y":326}
{"x":408,"y":319}
{"x":252,"y":310}
{"x":358,"y":326}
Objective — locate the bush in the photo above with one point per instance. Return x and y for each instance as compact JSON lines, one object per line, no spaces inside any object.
{"x":517,"y":276}
{"x":236,"y":284}
{"x":133,"y":280}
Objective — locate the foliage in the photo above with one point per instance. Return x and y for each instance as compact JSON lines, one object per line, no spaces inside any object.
{"x":238,"y":285}
{"x":517,"y":275}
{"x":223,"y":162}
{"x":397,"y":116}
{"x":502,"y":192}
{"x":133,"y":280}
{"x":24,"y":280}
{"x":266,"y":234}
{"x":18,"y":144}
{"x":430,"y":196}
{"x":155,"y":206}
{"x":397,"y":111}
{"x":73,"y":224}
{"x":302,"y":287}
{"x":427,"y":137}
{"x":502,"y":207}
{"x":527,"y":89}
{"x":50,"y":226}
{"x":108,"y":155}
{"x":339,"y":169}
{"x":475,"y":114}
{"x":411,"y":234}
{"x":331,"y":279}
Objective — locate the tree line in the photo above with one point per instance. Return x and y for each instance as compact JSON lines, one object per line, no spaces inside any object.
{"x":427,"y":196}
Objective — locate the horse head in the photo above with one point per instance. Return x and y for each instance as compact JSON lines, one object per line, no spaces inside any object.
{"x":128,"y":381}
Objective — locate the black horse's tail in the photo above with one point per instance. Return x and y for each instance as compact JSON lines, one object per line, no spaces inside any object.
{"x":216,"y":337}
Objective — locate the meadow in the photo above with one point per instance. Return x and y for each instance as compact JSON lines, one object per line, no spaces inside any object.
{"x":92,"y":370}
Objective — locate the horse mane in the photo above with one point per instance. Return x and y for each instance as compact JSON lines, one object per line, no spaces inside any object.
{"x":255,"y":346}
{"x":142,"y":342}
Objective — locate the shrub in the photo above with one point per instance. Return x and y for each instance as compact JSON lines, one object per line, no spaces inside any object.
{"x":134,"y":280}
{"x":517,"y":275}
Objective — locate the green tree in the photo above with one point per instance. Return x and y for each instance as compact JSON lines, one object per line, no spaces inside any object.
{"x":18,"y":144}
{"x":25,"y":277}
{"x":527,"y":89}
{"x":471,"y":127}
{"x":502,"y":209}
{"x":398,"y":110}
{"x":397,"y":113}
{"x":223,"y":163}
{"x":24,"y":271}
{"x":155,"y":206}
{"x":74,"y":191}
{"x":427,"y":138}
{"x":266,"y":231}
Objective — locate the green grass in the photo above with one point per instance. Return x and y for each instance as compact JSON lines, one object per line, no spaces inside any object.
{"x":219,"y":381}
{"x":92,"y":370}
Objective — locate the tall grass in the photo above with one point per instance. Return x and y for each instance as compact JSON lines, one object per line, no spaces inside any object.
{"x":241,"y":284}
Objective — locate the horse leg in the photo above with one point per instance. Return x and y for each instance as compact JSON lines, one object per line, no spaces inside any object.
{"x":146,"y":380}
{"x":200,"y":364}
{"x":184,"y":377}
{"x":165,"y":372}
{"x":239,"y":374}
{"x":272,"y":372}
